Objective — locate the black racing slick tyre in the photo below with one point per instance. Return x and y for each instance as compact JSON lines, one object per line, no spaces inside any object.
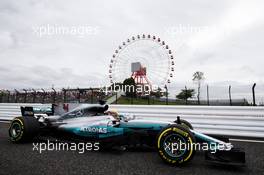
{"x":23,"y":129}
{"x":175,"y":145}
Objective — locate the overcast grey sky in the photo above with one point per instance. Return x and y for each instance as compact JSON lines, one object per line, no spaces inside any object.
{"x":224,"y":39}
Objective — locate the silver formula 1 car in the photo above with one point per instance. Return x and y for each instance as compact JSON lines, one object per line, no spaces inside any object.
{"x":176,"y":141}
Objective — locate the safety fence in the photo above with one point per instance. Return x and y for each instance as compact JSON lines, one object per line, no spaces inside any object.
{"x":239,"y":121}
{"x":235,"y":121}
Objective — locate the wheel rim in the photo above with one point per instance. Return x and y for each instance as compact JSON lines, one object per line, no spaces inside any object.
{"x":15,"y":130}
{"x":176,"y":140}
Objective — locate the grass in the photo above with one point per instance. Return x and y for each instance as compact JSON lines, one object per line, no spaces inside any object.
{"x":141,"y":101}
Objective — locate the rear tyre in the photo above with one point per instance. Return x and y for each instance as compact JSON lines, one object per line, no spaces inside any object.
{"x":175,"y":145}
{"x":23,"y":129}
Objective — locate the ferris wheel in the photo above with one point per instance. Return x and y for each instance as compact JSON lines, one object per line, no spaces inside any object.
{"x":145,"y":58}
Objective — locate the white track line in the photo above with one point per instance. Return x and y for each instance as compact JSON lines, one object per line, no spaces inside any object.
{"x":246,"y":140}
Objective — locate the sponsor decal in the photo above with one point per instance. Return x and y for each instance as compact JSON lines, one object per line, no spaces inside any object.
{"x":94,"y":129}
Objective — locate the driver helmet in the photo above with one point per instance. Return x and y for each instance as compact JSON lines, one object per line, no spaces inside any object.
{"x":114,"y":113}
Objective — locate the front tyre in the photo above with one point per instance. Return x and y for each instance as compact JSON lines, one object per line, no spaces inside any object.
{"x":23,"y":129}
{"x":175,"y":145}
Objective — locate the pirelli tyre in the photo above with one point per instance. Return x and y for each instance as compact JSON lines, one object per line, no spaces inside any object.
{"x":23,"y":129}
{"x":175,"y":144}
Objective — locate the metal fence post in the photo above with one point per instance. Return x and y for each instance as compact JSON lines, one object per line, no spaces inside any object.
{"x":186,"y":99}
{"x":8,"y":96}
{"x":34,"y":95}
{"x":54,"y":95}
{"x":92,"y":96}
{"x":148,"y":99}
{"x":25,"y":96}
{"x":116,"y":98}
{"x":44,"y":94}
{"x":253,"y":93}
{"x":230,"y":99}
{"x":166,"y":94}
{"x":1,"y":96}
{"x":79,"y":95}
{"x":64,"y":95}
{"x":207,"y":90}
{"x":16,"y":96}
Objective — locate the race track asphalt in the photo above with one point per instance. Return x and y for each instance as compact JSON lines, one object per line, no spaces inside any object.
{"x":21,"y":159}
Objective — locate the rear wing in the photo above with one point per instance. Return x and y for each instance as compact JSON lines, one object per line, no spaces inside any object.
{"x":31,"y":110}
{"x":27,"y":111}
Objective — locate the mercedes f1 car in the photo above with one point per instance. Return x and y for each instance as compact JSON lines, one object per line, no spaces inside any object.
{"x":175,"y":141}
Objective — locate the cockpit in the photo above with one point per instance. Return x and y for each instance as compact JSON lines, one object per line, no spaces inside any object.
{"x":96,"y":110}
{"x":86,"y":111}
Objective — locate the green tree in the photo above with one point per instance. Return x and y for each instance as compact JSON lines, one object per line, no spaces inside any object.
{"x":198,"y":77}
{"x":157,"y":93}
{"x":129,"y":85}
{"x":185,"y":94}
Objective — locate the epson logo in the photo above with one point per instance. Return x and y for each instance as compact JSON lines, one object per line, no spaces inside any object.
{"x":94,"y":129}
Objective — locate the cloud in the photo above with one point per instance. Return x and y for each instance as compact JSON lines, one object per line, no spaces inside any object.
{"x":230,"y":51}
{"x":240,"y":17}
{"x":45,"y":77}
